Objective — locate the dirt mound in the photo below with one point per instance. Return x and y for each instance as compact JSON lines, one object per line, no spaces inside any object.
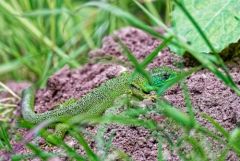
{"x":208,"y":94}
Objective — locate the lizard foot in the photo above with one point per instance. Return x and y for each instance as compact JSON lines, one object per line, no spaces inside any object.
{"x":59,"y":133}
{"x":151,"y":97}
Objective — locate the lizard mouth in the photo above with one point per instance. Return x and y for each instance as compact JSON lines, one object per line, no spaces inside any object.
{"x":139,"y":88}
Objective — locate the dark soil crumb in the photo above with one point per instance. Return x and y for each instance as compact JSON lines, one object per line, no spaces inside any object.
{"x":208,"y":95}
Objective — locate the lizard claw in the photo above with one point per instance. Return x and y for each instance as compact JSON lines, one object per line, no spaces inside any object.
{"x":52,"y":139}
{"x":152,"y":97}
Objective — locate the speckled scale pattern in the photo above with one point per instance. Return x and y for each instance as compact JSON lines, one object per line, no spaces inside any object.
{"x":160,"y":75}
{"x":95,"y":102}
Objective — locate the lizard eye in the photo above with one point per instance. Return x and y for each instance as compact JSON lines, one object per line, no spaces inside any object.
{"x":165,"y":76}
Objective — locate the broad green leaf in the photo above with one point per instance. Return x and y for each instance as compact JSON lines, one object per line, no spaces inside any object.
{"x":219,"y":20}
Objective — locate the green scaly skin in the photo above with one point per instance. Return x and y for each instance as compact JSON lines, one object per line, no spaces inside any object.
{"x":97,"y":101}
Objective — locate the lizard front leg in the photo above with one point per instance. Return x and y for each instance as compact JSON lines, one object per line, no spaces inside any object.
{"x":60,"y":130}
{"x":142,"y":95}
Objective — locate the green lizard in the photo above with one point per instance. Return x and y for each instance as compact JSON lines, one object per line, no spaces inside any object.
{"x":98,"y":100}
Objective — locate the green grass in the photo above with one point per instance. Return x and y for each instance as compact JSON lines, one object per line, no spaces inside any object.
{"x":4,"y":137}
{"x":40,"y":37}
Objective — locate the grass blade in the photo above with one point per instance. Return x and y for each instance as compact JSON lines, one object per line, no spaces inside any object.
{"x":4,"y":138}
{"x":10,"y":91}
{"x":39,"y":152}
{"x":25,"y":23}
{"x":91,"y":155}
{"x":152,"y":55}
{"x":125,"y":15}
{"x":134,"y":61}
{"x":175,"y":114}
{"x":187,"y":100}
{"x":216,"y":125}
{"x":179,"y":76}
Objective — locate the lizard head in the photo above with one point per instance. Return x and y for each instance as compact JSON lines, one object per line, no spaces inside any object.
{"x":159,"y":76}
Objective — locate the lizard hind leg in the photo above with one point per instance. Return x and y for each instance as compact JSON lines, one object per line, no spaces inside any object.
{"x":60,"y":131}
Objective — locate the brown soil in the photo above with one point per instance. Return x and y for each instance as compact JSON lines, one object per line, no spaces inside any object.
{"x":208,"y":95}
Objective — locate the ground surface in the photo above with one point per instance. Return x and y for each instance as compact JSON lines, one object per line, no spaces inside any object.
{"x":208,"y":94}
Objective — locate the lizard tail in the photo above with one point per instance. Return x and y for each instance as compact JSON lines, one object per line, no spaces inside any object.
{"x":27,"y":105}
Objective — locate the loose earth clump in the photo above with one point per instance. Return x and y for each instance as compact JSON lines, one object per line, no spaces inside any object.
{"x":208,"y":95}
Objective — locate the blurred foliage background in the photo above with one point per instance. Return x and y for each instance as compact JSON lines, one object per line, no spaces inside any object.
{"x":37,"y":37}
